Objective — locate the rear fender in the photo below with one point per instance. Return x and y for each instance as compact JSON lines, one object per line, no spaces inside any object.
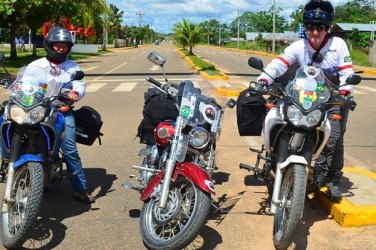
{"x":26,"y":158}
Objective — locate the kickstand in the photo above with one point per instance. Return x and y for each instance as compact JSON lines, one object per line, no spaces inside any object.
{"x":219,"y":210}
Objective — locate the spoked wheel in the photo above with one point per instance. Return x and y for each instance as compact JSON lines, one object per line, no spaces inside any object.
{"x":176,"y":225}
{"x":27,"y":192}
{"x":287,"y":216}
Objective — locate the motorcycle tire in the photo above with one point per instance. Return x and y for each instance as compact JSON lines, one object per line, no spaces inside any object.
{"x":179,"y":223}
{"x":27,"y":191}
{"x":287,"y":216}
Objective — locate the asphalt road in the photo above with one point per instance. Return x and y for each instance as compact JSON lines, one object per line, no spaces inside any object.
{"x":115,"y":89}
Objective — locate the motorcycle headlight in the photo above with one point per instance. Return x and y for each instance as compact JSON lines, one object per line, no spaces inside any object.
{"x":199,"y":138}
{"x":297,"y":118}
{"x":33,"y":116}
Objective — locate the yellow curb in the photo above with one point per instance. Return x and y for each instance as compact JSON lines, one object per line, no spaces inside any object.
{"x":347,"y":214}
{"x":229,"y":91}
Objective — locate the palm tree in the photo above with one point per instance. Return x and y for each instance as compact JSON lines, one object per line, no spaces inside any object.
{"x":187,"y":34}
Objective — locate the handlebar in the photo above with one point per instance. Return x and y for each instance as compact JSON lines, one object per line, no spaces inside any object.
{"x":155,"y":82}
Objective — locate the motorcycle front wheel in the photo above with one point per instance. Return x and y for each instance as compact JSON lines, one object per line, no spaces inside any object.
{"x":287,"y":216}
{"x":27,"y":192}
{"x":179,"y":223}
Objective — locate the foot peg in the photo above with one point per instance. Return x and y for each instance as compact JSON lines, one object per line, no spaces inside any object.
{"x":130,"y":186}
{"x":257,"y":150}
{"x":247,"y":167}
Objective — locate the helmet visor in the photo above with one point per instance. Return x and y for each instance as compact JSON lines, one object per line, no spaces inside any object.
{"x":61,"y":36}
{"x":313,"y":15}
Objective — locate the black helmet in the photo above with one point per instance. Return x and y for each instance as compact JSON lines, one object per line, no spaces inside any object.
{"x":318,"y":12}
{"x":57,"y":35}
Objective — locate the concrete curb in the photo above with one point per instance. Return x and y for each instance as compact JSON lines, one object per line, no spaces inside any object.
{"x":346,"y":213}
{"x":203,"y":74}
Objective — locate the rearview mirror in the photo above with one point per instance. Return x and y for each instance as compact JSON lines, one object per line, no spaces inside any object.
{"x":353,"y":80}
{"x":156,"y":58}
{"x":77,"y":75}
{"x":256,"y":63}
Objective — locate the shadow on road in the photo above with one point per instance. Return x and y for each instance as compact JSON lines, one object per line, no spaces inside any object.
{"x":59,"y":205}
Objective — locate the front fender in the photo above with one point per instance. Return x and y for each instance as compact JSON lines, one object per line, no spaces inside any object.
{"x":196,"y":174}
{"x":187,"y":169}
{"x":26,"y":158}
{"x":294,"y":159}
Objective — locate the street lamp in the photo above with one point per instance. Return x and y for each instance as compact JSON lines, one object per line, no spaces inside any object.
{"x":273,"y":45}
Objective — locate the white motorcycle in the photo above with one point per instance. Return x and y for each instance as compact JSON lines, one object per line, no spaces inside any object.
{"x":296,"y":128}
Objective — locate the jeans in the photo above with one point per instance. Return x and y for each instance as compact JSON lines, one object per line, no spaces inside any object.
{"x":70,"y":152}
{"x":331,"y":160}
{"x":69,"y":148}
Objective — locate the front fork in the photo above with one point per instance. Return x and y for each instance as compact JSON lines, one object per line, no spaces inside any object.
{"x":14,"y":154}
{"x":171,"y":162}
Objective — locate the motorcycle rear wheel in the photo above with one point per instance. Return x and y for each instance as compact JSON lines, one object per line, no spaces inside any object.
{"x":27,"y":191}
{"x":180,"y":222}
{"x":287,"y":216}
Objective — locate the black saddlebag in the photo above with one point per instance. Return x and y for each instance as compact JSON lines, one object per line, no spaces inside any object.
{"x":157,"y":108}
{"x":88,"y":125}
{"x":250,"y":113}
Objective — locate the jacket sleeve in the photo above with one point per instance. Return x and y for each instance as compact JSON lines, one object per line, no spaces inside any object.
{"x":345,"y":67}
{"x":279,"y":65}
{"x":79,"y":86}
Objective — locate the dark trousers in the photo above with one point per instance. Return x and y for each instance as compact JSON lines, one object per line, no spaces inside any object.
{"x":331,"y":160}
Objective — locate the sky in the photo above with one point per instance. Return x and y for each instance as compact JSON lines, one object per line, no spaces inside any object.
{"x":161,"y":15}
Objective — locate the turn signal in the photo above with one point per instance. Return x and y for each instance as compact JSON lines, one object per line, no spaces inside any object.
{"x":269,"y":105}
{"x":336,"y":117}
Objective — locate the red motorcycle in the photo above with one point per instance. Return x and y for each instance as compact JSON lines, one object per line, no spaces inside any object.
{"x":175,"y":175}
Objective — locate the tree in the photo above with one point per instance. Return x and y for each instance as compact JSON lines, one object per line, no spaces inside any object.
{"x":188,"y":34}
{"x":116,"y":18}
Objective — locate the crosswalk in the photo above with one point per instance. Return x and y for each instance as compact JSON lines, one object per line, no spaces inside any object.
{"x":129,"y":85}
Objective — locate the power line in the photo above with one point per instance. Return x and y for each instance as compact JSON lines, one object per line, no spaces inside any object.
{"x":140,"y":15}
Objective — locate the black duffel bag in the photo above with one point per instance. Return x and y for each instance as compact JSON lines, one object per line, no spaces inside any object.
{"x":250,"y":113}
{"x":157,"y":108}
{"x":88,"y":125}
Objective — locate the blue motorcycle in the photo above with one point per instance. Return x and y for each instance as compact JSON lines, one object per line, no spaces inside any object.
{"x":32,"y":128}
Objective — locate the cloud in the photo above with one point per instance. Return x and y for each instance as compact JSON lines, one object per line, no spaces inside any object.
{"x":163,"y":14}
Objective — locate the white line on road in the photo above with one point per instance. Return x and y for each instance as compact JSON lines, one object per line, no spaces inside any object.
{"x":366,"y":88}
{"x":108,"y":72}
{"x":95,"y":86}
{"x":125,"y":86}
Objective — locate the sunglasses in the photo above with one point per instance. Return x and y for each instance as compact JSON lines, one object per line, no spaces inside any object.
{"x":313,"y":28}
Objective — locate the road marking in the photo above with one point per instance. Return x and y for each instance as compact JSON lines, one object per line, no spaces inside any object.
{"x":108,"y":72}
{"x":357,"y":92}
{"x":88,"y":68}
{"x":366,"y":88}
{"x":125,"y":86}
{"x":93,"y":87}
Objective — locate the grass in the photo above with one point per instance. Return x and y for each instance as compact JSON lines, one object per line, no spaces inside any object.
{"x":203,"y":65}
{"x":26,"y":57}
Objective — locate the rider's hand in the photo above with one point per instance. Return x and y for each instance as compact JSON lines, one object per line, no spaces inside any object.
{"x":73,"y":96}
{"x":262,"y":84}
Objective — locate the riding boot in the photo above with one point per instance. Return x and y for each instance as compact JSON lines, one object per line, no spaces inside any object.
{"x":334,"y":192}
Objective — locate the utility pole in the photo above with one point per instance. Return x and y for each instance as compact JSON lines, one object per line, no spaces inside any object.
{"x":140,"y":15}
{"x":273,"y":45}
{"x":237,"y":43}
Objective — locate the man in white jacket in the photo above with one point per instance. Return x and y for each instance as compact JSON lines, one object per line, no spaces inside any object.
{"x":330,"y":54}
{"x":57,"y":45}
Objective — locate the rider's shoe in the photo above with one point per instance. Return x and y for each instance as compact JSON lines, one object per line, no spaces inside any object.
{"x":84,"y":196}
{"x":334,"y":192}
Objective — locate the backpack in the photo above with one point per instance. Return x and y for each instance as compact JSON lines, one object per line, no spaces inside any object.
{"x":88,"y":125}
{"x":250,"y":113}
